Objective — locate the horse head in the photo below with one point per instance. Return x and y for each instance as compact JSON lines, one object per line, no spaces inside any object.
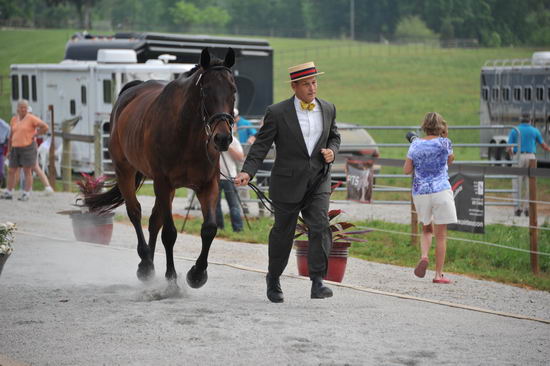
{"x":217,"y":93}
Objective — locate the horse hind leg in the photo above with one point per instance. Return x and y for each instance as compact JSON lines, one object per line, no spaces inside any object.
{"x":127,"y":185}
{"x":197,"y":275}
{"x":163,"y":211}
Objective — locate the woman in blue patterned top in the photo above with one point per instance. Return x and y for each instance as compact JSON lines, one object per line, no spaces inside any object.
{"x":428,"y":160}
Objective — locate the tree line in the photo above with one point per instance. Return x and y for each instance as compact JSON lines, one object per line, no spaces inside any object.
{"x":489,"y":22}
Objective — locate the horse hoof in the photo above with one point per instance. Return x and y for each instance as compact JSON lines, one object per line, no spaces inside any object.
{"x":145,"y":271}
{"x":196,"y":280}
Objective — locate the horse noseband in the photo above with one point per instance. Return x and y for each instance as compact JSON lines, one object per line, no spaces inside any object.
{"x":217,"y":118}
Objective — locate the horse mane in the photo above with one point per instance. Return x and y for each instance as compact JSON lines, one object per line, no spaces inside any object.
{"x":213,"y":62}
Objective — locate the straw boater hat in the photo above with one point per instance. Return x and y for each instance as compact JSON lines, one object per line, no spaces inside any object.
{"x":303,"y":71}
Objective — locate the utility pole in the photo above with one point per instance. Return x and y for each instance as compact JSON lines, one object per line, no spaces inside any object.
{"x":352,"y":19}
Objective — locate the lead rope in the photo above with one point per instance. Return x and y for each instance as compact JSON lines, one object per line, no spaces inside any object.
{"x":234,"y":190}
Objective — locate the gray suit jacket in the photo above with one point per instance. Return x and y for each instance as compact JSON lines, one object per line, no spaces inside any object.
{"x":293,"y":168}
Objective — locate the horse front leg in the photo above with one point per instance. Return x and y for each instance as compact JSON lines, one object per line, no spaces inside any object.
{"x":208,"y":197}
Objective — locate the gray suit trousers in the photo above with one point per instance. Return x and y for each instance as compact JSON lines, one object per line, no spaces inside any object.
{"x":281,"y":236}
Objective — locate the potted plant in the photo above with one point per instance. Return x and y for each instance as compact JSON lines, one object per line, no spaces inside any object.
{"x":7,"y":235}
{"x":341,"y":241}
{"x":89,"y":226}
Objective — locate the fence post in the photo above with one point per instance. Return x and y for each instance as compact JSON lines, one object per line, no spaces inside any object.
{"x":533,"y":231}
{"x":66,"y":166}
{"x":98,"y":150}
{"x":414,"y":224}
{"x":51,"y":161}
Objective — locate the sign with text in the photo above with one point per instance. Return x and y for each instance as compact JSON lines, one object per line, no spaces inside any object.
{"x":469,"y":194}
{"x":359,"y":180}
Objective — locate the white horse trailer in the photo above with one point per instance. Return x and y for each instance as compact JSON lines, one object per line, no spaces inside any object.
{"x":85,"y":91}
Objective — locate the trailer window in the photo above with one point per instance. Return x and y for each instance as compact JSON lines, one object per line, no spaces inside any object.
{"x":73,"y":107}
{"x":485,"y":93}
{"x":83,"y":96}
{"x":33,"y":88}
{"x":495,"y":94}
{"x":517,"y":94}
{"x":25,"y":86}
{"x":506,"y":94}
{"x":14,"y":87}
{"x":540,"y":94}
{"x":107,"y":97}
{"x":527,"y":93}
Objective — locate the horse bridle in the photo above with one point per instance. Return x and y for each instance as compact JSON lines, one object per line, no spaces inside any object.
{"x":208,"y":121}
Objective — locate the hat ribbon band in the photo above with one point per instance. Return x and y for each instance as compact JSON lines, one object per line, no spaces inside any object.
{"x":301,"y":73}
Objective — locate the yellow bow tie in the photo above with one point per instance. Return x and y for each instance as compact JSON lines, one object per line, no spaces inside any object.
{"x":307,"y":106}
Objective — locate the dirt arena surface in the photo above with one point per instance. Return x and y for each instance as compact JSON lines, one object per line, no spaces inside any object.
{"x":64,"y":302}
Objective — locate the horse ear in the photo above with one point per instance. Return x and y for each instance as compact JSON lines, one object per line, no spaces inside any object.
{"x":229,"y":58}
{"x":205,"y":58}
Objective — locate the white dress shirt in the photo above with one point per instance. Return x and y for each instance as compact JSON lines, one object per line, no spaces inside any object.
{"x":311,"y":123}
{"x":228,"y":165}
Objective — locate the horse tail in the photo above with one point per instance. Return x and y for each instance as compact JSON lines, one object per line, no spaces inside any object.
{"x":111,"y":199}
{"x":129,"y":85}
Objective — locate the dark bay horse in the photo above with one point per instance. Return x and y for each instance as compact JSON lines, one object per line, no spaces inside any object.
{"x":171,"y":132}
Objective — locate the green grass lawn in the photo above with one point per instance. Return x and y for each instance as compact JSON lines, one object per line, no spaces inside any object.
{"x":371,"y":85}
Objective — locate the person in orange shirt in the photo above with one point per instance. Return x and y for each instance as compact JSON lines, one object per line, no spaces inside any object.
{"x":22,"y":148}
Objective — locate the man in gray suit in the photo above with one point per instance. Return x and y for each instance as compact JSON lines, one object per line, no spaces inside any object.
{"x":306,"y":139}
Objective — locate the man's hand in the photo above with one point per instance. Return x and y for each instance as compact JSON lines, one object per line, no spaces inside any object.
{"x":241,"y":179}
{"x":328,"y":154}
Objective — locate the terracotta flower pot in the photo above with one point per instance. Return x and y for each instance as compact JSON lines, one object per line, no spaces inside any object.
{"x":337,"y":259}
{"x":93,"y":228}
{"x":3,"y":259}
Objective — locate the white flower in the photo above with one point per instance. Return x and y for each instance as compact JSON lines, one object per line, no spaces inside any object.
{"x":7,"y":236}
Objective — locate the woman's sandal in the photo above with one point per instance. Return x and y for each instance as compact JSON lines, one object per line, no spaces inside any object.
{"x":420,"y":270}
{"x":442,"y":279}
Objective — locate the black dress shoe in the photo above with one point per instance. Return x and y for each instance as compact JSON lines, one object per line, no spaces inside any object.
{"x":274,"y":292}
{"x":319,"y":290}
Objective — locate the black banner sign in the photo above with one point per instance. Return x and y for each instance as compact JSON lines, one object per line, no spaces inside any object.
{"x":469,"y":194}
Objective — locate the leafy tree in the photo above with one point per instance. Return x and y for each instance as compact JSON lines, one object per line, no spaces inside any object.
{"x":187,"y":14}
{"x":83,"y":8}
{"x":447,"y":30}
{"x":540,"y":23}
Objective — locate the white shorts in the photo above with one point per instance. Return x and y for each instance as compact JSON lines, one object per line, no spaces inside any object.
{"x":440,"y":206}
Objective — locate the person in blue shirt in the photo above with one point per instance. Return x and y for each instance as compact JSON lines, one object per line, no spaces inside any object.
{"x":428,"y":159}
{"x":247,"y":135}
{"x":530,"y":136}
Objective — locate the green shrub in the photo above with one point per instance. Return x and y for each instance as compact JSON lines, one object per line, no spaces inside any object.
{"x":414,"y":28}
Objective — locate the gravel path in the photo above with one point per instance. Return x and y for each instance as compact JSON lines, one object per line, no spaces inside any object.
{"x":38,"y":216}
{"x":69,"y":303}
